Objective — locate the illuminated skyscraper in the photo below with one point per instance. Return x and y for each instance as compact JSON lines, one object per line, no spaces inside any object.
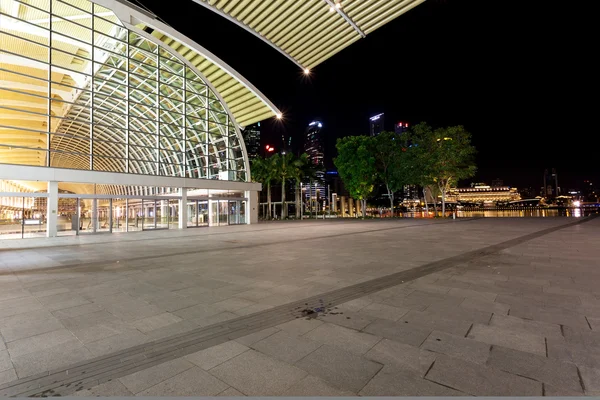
{"x":252,"y":140}
{"x":313,"y":143}
{"x":313,"y":146}
{"x":376,"y":124}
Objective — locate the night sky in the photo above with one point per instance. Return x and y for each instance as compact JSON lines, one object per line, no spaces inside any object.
{"x":517,"y":75}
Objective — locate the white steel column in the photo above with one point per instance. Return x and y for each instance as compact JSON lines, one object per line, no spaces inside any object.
{"x":183,"y":209}
{"x":52,"y":209}
{"x":252,"y":207}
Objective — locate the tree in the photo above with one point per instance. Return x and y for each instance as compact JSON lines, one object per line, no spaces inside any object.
{"x":263,"y":171}
{"x":390,"y":158}
{"x":298,"y":175}
{"x":443,"y":156}
{"x":285,"y":167}
{"x":357,"y":168}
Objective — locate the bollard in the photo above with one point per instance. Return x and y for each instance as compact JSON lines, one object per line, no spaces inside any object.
{"x":453,"y":215}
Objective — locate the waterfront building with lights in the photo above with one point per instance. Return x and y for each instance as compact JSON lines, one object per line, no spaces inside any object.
{"x":484,"y":194}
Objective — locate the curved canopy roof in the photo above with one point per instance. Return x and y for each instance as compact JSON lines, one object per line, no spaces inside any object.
{"x":309,"y":32}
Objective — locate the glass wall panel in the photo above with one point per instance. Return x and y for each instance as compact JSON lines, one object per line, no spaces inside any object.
{"x":151,"y":113}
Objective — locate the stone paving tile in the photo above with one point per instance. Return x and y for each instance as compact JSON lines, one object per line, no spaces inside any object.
{"x":39,"y":342}
{"x":552,"y":315}
{"x":356,"y":304}
{"x":214,"y":319}
{"x":392,"y":381}
{"x":155,"y":322}
{"x":117,"y":342}
{"x":149,"y":377}
{"x":77,"y":311}
{"x":479,"y":380}
{"x":419,"y":300}
{"x":9,"y":308}
{"x":594,"y":323}
{"x":132,"y":310}
{"x":108,"y":389}
{"x":384,"y":311}
{"x":457,"y":347}
{"x":216,"y":355}
{"x":554,"y":391}
{"x":524,"y":325}
{"x":351,"y":340}
{"x":517,"y":340}
{"x":252,"y":338}
{"x":192,"y":382}
{"x":586,"y":337}
{"x":233,"y":304}
{"x":350,"y":320}
{"x":460,"y":313}
{"x":286,"y":347}
{"x":342,"y":369}
{"x":300,"y":326}
{"x":434,"y":321}
{"x":486,"y":306}
{"x":275,"y":376}
{"x":31,"y":327}
{"x":197,"y":311}
{"x":170,"y":302}
{"x":313,"y":386}
{"x":88,"y":320}
{"x":5,"y":362}
{"x":254,"y":308}
{"x":543,"y":369}
{"x":8,"y":375}
{"x":230,"y":392}
{"x":102,"y":331}
{"x":591,"y":379}
{"x":472,"y":294}
{"x":14,"y":294}
{"x":399,"y":331}
{"x":404,"y":356}
{"x":63,"y":300}
{"x":61,"y":355}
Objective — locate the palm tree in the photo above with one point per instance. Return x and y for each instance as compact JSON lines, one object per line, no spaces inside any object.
{"x":285,"y":165}
{"x":309,"y":173}
{"x":263,"y":171}
{"x":298,"y":174}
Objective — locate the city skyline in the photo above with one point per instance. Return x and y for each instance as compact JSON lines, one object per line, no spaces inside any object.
{"x":431,"y":67}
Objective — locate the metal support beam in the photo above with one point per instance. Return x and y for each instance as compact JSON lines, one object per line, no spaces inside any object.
{"x":346,"y":17}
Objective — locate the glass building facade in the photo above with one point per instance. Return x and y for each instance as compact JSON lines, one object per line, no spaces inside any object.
{"x":108,"y":123}
{"x":81,"y":91}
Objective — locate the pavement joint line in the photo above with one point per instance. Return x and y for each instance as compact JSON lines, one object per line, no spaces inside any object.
{"x":204,"y":337}
{"x":83,"y":266}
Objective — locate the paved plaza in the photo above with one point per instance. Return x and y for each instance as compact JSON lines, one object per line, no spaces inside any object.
{"x":486,"y":307}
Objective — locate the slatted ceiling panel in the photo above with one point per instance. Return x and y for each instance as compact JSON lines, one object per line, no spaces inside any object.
{"x":326,"y":54}
{"x":306,"y":30}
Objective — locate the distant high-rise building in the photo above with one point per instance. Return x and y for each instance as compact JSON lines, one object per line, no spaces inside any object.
{"x":251,"y":136}
{"x":400,"y":127}
{"x":313,"y":146}
{"x":550,"y":188}
{"x":313,"y":143}
{"x":376,"y":124}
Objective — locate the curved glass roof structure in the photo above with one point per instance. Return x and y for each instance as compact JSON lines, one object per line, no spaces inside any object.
{"x":309,"y":32}
{"x":102,"y":86}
